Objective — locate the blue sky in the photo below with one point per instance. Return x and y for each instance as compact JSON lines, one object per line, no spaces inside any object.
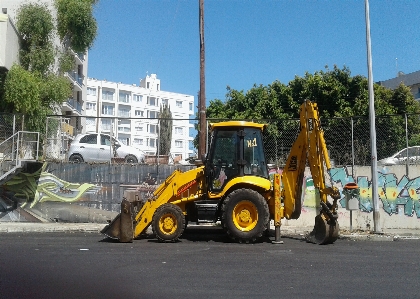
{"x":250,"y":42}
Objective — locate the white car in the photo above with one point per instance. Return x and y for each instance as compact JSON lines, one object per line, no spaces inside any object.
{"x":96,"y":147}
{"x":413,"y":153}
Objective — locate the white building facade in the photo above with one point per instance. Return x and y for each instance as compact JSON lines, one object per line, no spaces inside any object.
{"x":9,"y":51}
{"x":130,"y":113}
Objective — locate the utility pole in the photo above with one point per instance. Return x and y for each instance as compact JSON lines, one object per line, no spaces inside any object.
{"x":202,"y":97}
{"x":374,"y":160}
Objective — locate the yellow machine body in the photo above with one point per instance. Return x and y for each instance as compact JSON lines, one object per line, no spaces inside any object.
{"x":233,"y":187}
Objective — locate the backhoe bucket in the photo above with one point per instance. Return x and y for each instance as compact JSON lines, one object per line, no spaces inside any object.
{"x":121,"y":227}
{"x":324,"y":232}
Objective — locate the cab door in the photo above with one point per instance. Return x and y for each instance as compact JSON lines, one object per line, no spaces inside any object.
{"x":223,"y":158}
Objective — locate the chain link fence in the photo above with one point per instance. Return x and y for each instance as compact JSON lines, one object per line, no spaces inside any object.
{"x":170,"y":141}
{"x":119,"y":140}
{"x":348,"y":140}
{"x":10,"y":124}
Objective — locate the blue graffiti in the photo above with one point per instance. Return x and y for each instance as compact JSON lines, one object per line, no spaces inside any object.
{"x":391,"y":191}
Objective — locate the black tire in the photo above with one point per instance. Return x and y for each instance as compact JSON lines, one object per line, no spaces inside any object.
{"x":76,"y":158}
{"x":245,"y":215}
{"x":131,"y":159}
{"x":168,"y":223}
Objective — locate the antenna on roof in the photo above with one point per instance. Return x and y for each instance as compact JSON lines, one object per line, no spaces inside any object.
{"x":396,"y":66}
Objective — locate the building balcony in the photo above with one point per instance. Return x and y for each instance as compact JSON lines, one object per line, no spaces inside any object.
{"x":67,"y":129}
{"x":125,"y":114}
{"x":76,"y":78}
{"x":80,"y":57}
{"x":74,"y":105}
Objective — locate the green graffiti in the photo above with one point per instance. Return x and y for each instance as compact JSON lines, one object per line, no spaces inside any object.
{"x":51,"y":188}
{"x":23,"y":184}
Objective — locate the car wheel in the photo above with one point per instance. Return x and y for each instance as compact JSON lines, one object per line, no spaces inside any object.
{"x":130,"y":159}
{"x":76,"y":158}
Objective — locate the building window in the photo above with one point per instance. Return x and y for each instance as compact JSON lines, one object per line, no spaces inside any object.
{"x":124,"y":112}
{"x":148,"y":85}
{"x":165,"y":102}
{"x":179,"y":130}
{"x":107,"y":109}
{"x":91,"y":91}
{"x":106,"y":124}
{"x":178,"y":143}
{"x":152,"y":142}
{"x":90,"y":121}
{"x":191,"y":106}
{"x":124,"y":129}
{"x":153,"y":114}
{"x":179,"y":104}
{"x":137,"y":98}
{"x":153,"y":129}
{"x":138,"y":128}
{"x":151,"y":101}
{"x":138,"y":141}
{"x":139,"y":113}
{"x":123,"y":140}
{"x":124,"y":97}
{"x":107,"y":95}
{"x":90,"y":106}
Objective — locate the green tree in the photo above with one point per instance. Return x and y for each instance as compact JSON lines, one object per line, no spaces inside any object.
{"x":36,"y":28}
{"x":338,"y":94}
{"x":35,"y":88}
{"x":165,"y":134}
{"x":76,"y":25}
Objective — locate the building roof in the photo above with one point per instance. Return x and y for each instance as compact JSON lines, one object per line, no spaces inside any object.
{"x":408,"y":80}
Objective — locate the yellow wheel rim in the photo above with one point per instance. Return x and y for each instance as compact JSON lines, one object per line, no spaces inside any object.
{"x":245,"y":216}
{"x":168,"y":224}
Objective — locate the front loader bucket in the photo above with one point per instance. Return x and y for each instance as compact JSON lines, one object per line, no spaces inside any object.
{"x":323,"y":232}
{"x":121,"y":227}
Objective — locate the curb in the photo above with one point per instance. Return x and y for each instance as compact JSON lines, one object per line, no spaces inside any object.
{"x":49,"y":227}
{"x":17,"y":227}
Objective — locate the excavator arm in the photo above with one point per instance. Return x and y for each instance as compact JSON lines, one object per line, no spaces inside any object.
{"x":310,"y":147}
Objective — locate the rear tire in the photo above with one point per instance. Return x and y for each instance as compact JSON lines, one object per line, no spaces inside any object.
{"x":76,"y":158}
{"x":245,"y":215}
{"x":168,"y":223}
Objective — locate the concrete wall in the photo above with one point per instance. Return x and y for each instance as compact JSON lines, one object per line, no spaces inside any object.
{"x":92,"y":193}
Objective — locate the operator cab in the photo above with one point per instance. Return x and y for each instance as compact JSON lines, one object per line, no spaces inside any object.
{"x":236,"y":150}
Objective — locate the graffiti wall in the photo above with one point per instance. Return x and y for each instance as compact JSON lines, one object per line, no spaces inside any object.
{"x":65,"y":192}
{"x":92,"y":193}
{"x":399,"y":200}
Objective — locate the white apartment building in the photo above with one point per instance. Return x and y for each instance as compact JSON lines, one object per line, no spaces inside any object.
{"x":74,"y":106}
{"x":130,"y":113}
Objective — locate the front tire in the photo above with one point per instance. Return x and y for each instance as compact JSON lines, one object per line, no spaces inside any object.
{"x":168,"y":223}
{"x":245,"y":215}
{"x":131,"y":159}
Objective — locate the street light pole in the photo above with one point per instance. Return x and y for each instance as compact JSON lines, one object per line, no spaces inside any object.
{"x":374,"y":160}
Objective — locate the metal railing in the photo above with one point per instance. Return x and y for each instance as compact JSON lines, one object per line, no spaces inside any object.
{"x":21,"y":146}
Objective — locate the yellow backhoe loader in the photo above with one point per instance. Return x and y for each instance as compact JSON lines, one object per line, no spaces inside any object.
{"x":232,"y":185}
